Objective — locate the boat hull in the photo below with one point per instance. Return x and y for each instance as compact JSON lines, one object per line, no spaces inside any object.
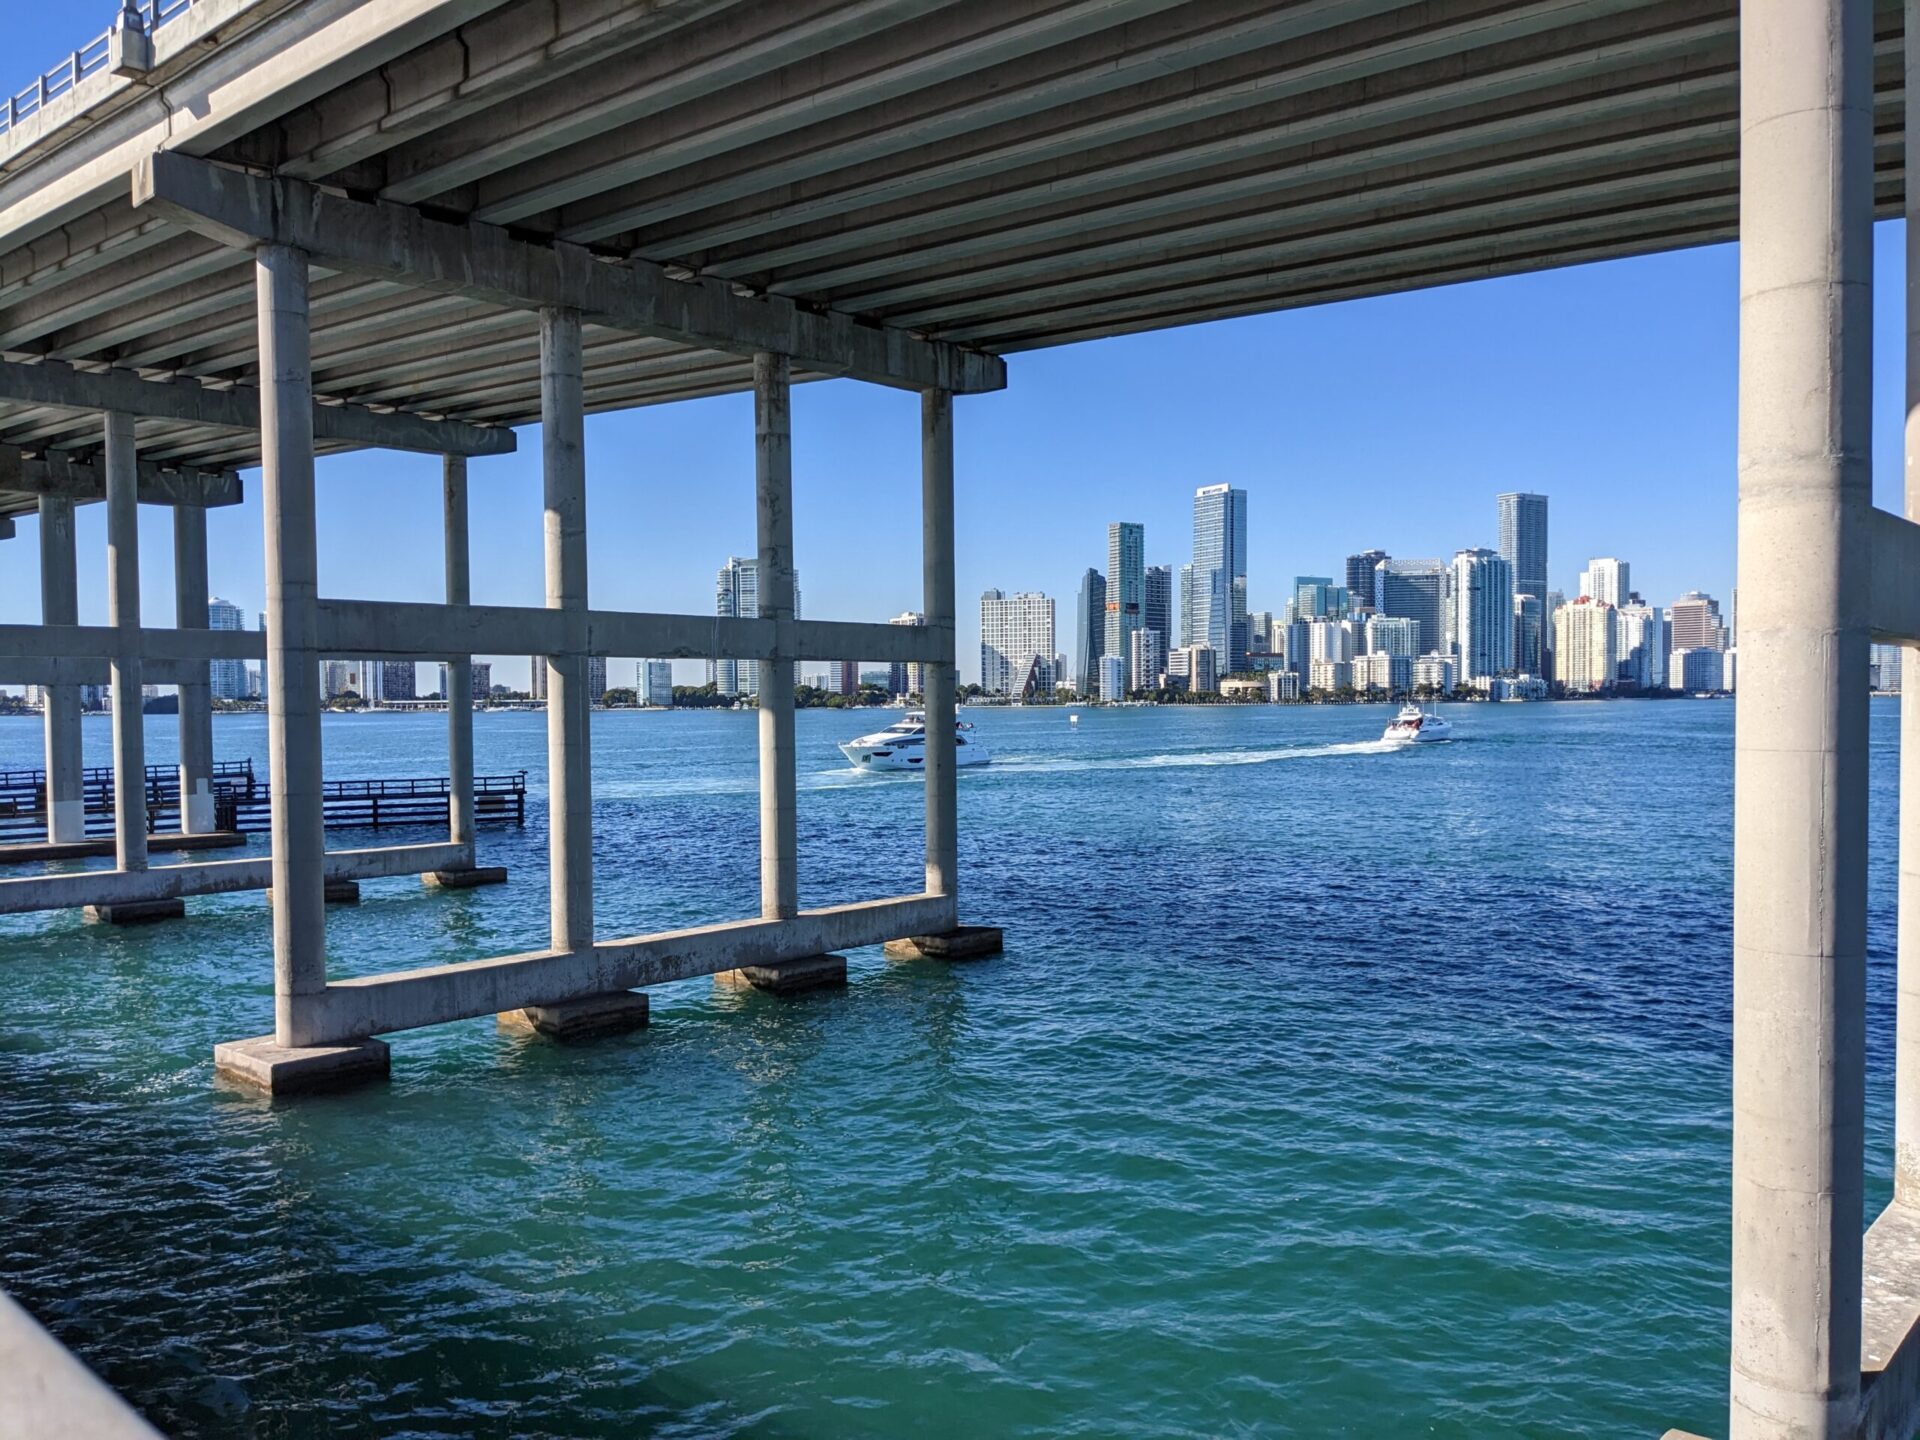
{"x":906,"y":757}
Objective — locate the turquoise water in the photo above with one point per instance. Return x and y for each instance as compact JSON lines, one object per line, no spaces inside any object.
{"x":1322,"y":1090}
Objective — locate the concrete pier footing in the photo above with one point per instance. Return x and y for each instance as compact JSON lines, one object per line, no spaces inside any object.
{"x":789,"y":977}
{"x":335,"y":892}
{"x":963,"y":942}
{"x":467,"y":878}
{"x":136,"y":912}
{"x":614,"y":1013}
{"x":265,"y":1064}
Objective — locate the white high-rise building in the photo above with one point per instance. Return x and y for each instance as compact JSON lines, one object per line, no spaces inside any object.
{"x":1329,"y":640}
{"x":1393,"y":635}
{"x":736,"y":596}
{"x":1606,"y":581}
{"x":1016,"y":643}
{"x":1435,"y":672}
{"x":1146,"y":659}
{"x":1641,"y":644}
{"x":1585,"y":646}
{"x":1483,"y":614}
{"x":226,"y":679}
{"x":1113,"y":678}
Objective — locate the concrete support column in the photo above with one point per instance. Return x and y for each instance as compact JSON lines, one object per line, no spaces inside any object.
{"x":1800,"y":770}
{"x":936,"y":512}
{"x":569,"y":708}
{"x":773,"y":473}
{"x":60,"y":605}
{"x":196,"y":709}
{"x":1906,"y":1117}
{"x":293,"y":654}
{"x":459,"y":695}
{"x":123,"y":613}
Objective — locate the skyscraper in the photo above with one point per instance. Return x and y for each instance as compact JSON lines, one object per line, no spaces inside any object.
{"x":1360,"y":570}
{"x":1483,"y":614}
{"x":1126,"y":585}
{"x":902,"y":679}
{"x":1185,"y":617}
{"x":1220,"y":574}
{"x":1090,"y":632}
{"x":736,"y":595}
{"x":654,"y":681}
{"x":1528,"y":632}
{"x":1523,"y":545}
{"x":1317,"y":597}
{"x":1016,"y":643}
{"x":226,"y":679}
{"x":1413,"y":590}
{"x":1159,"y":612}
{"x":1607,"y":581}
{"x":1695,"y":622}
{"x":394,"y":680}
{"x":1585,"y":646}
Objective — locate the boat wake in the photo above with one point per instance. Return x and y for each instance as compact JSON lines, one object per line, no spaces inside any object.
{"x":1192,"y":759}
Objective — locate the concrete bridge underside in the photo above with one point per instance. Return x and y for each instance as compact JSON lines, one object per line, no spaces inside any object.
{"x":282,"y":229}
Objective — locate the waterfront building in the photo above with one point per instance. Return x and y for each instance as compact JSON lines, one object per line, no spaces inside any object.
{"x":1186,"y":606}
{"x":1555,"y":599}
{"x":537,"y":677}
{"x":1126,"y":585}
{"x":1883,"y":669}
{"x":1360,"y":574}
{"x":1517,"y":687}
{"x":1090,"y":631}
{"x":1330,"y":675}
{"x":1195,"y":667}
{"x":903,"y":679}
{"x":1383,"y":673}
{"x":1282,"y":685}
{"x":1606,"y":581}
{"x":1435,"y":671}
{"x":1146,"y":659}
{"x":1260,"y":631}
{"x":226,"y":679}
{"x":1697,"y":669}
{"x":736,"y":596}
{"x":1413,"y":590}
{"x":596,"y":678}
{"x":1159,"y":612}
{"x":653,"y":680}
{"x":1220,"y":573}
{"x":1694,"y":623}
{"x":1523,"y":545}
{"x":1641,"y":644}
{"x":1113,"y":678}
{"x":1528,"y":642}
{"x":1317,"y":597}
{"x":482,"y":681}
{"x":1328,"y":640}
{"x":1483,"y":613}
{"x":1016,"y":643}
{"x":342,"y":678}
{"x":1585,"y":646}
{"x":393,"y":680}
{"x":1392,"y":635}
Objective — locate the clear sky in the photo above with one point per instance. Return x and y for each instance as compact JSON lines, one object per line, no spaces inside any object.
{"x":1388,"y":423}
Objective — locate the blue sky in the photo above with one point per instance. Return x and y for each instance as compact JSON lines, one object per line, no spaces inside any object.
{"x":1388,"y":423}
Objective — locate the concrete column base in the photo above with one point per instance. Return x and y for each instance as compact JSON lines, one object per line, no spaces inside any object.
{"x":609,"y":1014}
{"x":335,"y":892}
{"x":137,"y":912}
{"x":261,"y":1064}
{"x":967,"y":942}
{"x":467,"y":879}
{"x":810,"y":972}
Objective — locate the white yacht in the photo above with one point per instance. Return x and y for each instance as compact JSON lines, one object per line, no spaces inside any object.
{"x":903,"y":745}
{"x":1415,"y":726}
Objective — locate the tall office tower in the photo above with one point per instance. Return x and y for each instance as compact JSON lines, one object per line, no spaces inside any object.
{"x":736,"y":596}
{"x":1186,"y":609}
{"x":226,"y":679}
{"x":1016,"y":643}
{"x":1146,"y":659}
{"x":1483,"y":614}
{"x":1695,"y":620}
{"x":1640,"y":649}
{"x":1260,"y":632}
{"x":1090,"y":632}
{"x":1126,"y":584}
{"x":536,"y":677}
{"x":1523,"y":544}
{"x":1529,"y":655}
{"x":1360,"y":570}
{"x":396,"y":680}
{"x":1220,"y":574}
{"x":904,"y":679}
{"x":1316,"y":597}
{"x":1413,"y":590}
{"x":482,"y":681}
{"x":1607,"y":581}
{"x":1159,"y":612}
{"x":1393,"y":635}
{"x":1585,"y":646}
{"x":654,"y":680}
{"x":596,"y":679}
{"x":843,"y":677}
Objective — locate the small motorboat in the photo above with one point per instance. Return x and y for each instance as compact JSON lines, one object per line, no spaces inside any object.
{"x":903,"y":745}
{"x":1413,"y":726}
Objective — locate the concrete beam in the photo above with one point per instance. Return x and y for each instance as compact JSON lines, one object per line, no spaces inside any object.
{"x":211,"y":877}
{"x":80,"y":670}
{"x":103,"y":642}
{"x":381,"y":1004}
{"x":63,"y":476}
{"x":484,"y":262}
{"x":45,"y":1390}
{"x":186,"y":399}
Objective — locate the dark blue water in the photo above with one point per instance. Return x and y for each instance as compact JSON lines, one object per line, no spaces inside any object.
{"x":1321,"y":1090}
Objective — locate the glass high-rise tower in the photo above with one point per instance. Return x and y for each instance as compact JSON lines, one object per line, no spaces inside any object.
{"x":1126,"y":585}
{"x":1090,"y":632}
{"x":1220,"y":574}
{"x":1523,"y":542}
